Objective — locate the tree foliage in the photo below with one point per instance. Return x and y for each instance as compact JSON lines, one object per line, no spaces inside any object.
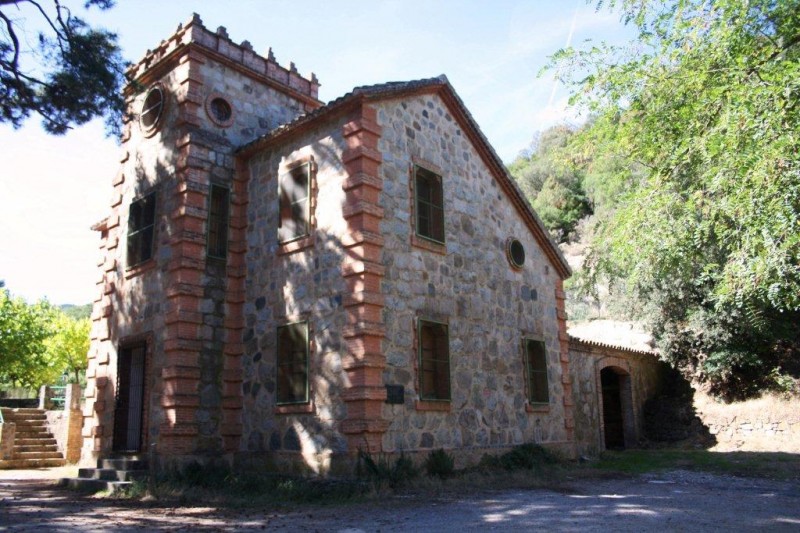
{"x":71,"y":75}
{"x":68,"y":346}
{"x":38,"y":343}
{"x":707,"y":238}
{"x":552,"y":182}
{"x":24,"y":330}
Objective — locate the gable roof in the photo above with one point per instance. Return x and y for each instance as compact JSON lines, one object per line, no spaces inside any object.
{"x":441,"y":87}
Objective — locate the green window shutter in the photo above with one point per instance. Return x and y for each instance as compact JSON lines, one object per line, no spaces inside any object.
{"x":536,"y":372}
{"x":141,"y":229}
{"x":294,"y":203}
{"x":429,"y":205}
{"x":292,"y":364}
{"x":434,"y":360}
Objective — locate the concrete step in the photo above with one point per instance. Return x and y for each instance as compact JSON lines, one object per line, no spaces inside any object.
{"x":27,"y":464}
{"x":22,"y":448}
{"x":111,"y":474}
{"x":33,"y":435}
{"x":93,"y":485}
{"x":122,"y":463}
{"x":16,"y":416}
{"x":37,"y":455}
{"x":26,"y":422}
{"x":43,"y":441}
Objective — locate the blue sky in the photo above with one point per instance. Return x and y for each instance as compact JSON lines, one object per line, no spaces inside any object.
{"x":52,"y":189}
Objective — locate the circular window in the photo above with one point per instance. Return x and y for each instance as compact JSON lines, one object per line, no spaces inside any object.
{"x":221,"y":109}
{"x":516,"y":253}
{"x":152,"y":109}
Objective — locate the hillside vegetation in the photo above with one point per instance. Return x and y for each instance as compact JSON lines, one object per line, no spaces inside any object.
{"x":689,"y":171}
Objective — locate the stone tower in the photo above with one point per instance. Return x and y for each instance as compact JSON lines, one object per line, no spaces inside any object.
{"x":165,"y":367}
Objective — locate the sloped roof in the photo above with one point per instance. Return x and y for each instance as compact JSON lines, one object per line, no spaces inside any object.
{"x":600,"y":344}
{"x":439,"y":85}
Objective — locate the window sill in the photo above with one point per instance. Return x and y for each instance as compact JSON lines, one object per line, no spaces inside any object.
{"x":432,"y":405}
{"x":292,"y":409}
{"x":425,"y":244}
{"x":140,"y":268}
{"x":537,"y":408}
{"x":296,"y":245}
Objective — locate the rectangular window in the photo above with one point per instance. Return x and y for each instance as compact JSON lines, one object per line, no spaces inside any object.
{"x":536,"y":371}
{"x":218,"y":222}
{"x":141,"y":229}
{"x":429,"y":205}
{"x":294,"y":203}
{"x":434,"y":361}
{"x":292,"y":363}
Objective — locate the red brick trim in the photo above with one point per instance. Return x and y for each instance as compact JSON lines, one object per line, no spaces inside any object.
{"x":294,"y":409}
{"x":296,"y":245}
{"x":425,"y":244}
{"x":532,"y":408}
{"x":141,"y":268}
{"x":428,"y":405}
{"x":364,"y":360}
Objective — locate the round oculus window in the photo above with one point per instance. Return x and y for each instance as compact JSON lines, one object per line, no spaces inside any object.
{"x":152,"y":109}
{"x":516,"y":253}
{"x":221,"y":109}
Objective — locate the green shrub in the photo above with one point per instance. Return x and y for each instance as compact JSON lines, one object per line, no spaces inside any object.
{"x":526,"y":456}
{"x":381,"y":470}
{"x":440,"y":464}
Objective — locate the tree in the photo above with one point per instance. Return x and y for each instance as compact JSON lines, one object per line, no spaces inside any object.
{"x":76,"y":312}
{"x":74,"y":73}
{"x":24,"y":330}
{"x":68,"y":347}
{"x":552,"y":182}
{"x":707,"y":239}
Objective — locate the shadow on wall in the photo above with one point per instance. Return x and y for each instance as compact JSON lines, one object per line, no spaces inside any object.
{"x":307,"y":285}
{"x":671,"y":419}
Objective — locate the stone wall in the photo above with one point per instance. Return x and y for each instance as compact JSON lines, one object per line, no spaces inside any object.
{"x":467,"y":283}
{"x":644,"y":377}
{"x":301,"y":280}
{"x":766,"y":424}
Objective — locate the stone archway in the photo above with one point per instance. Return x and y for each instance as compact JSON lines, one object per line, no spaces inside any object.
{"x":615,"y":400}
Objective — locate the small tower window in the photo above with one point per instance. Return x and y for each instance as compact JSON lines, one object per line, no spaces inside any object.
{"x":221,"y":109}
{"x":152,"y":109}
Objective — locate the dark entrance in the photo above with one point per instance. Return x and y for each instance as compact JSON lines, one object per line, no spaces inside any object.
{"x":129,"y":399}
{"x":612,"y":409}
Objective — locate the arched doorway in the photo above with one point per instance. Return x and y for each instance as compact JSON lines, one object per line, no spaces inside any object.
{"x":613,"y":418}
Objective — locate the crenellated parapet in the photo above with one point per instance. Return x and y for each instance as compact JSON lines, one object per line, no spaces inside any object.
{"x":240,"y":56}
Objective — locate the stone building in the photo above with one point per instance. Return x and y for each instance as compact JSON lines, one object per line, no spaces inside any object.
{"x":290,"y":281}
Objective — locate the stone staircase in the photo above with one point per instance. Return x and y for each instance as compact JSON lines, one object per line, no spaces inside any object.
{"x":112,"y":474}
{"x":34,"y":445}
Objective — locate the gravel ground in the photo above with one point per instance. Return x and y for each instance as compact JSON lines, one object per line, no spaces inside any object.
{"x":671,"y":501}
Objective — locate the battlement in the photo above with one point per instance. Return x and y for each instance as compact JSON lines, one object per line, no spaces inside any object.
{"x":193,"y":32}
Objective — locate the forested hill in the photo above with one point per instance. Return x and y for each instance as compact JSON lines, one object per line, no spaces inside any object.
{"x":686,"y":184}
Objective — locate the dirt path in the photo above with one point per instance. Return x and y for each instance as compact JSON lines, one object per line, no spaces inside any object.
{"x":673,"y":501}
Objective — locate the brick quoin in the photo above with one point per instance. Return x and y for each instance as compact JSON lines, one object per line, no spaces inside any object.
{"x":364,"y":362}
